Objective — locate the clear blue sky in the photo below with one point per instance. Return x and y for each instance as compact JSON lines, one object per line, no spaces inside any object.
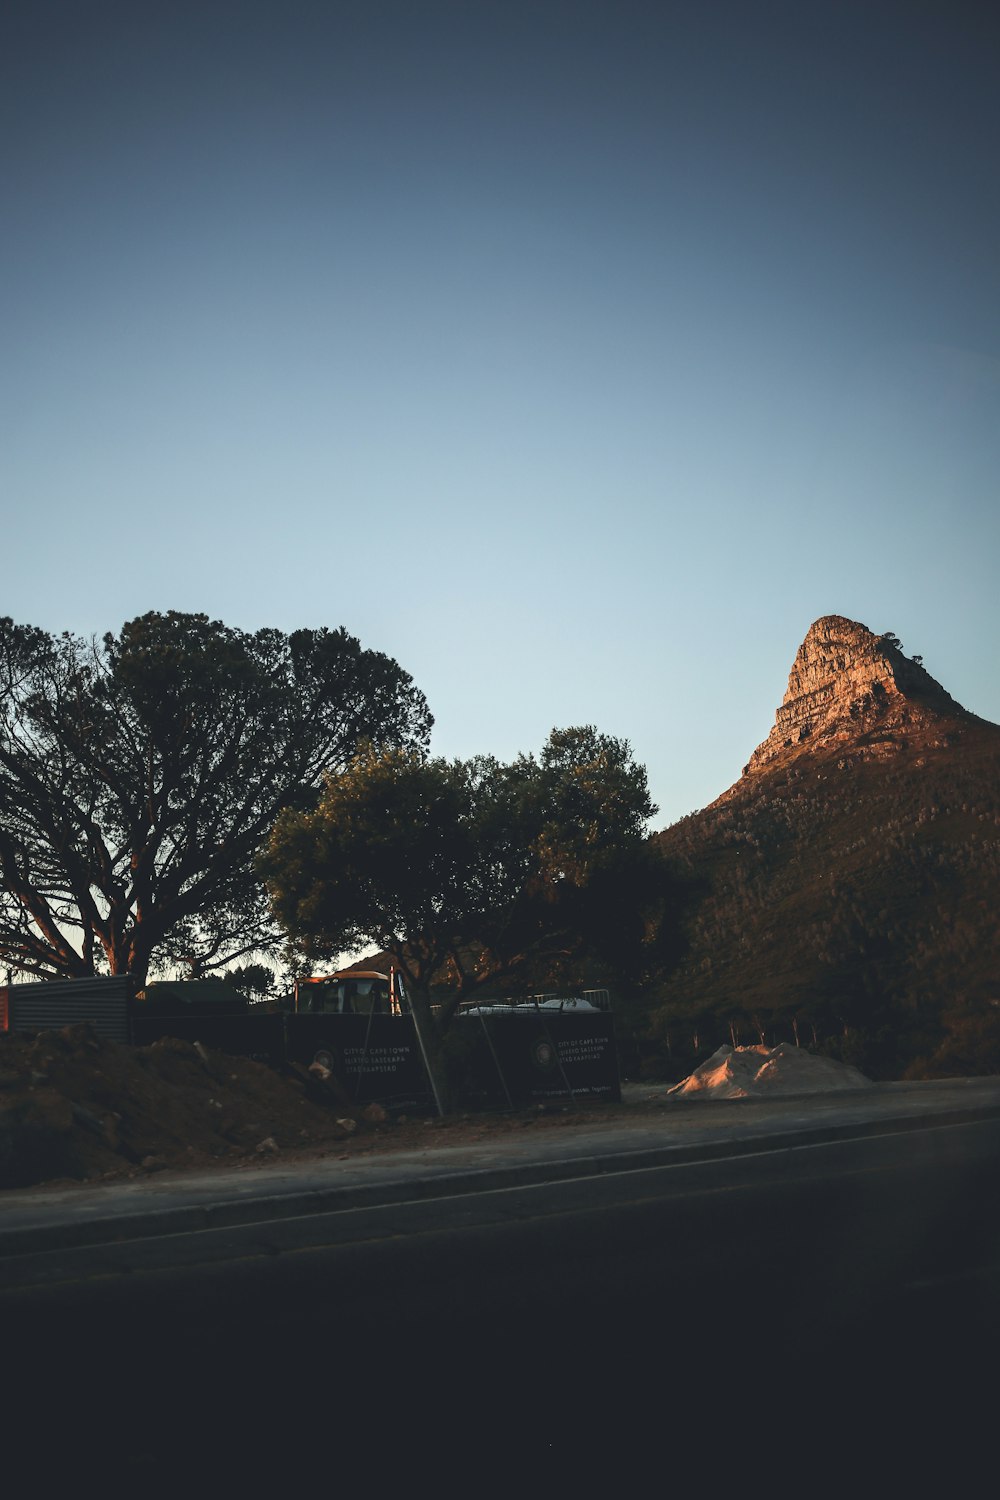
{"x":577,"y":355}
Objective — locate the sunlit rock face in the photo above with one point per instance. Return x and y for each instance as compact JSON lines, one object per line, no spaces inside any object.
{"x":849,"y":688}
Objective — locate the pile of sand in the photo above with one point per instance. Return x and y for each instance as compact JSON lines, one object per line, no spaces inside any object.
{"x":747,"y":1072}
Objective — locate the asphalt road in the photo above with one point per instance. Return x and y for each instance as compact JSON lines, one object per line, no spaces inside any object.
{"x":817,"y":1282}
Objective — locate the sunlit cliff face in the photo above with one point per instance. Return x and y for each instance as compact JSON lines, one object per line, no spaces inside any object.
{"x":850,"y":687}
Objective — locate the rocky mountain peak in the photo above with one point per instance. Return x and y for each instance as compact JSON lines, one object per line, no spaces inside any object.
{"x":855,"y":691}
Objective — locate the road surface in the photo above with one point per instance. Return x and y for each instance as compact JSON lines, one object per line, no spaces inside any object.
{"x":812,"y":1289}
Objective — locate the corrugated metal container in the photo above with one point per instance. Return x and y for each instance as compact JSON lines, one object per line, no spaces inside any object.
{"x":49,"y":1004}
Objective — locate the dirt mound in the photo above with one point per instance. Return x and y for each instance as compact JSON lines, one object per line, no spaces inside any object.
{"x":73,"y":1105}
{"x":748,"y":1071}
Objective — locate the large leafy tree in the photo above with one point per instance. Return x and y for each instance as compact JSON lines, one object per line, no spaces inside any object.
{"x":140,"y":775}
{"x":470,"y":872}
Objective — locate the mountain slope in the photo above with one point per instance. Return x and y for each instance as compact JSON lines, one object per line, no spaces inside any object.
{"x":846,"y":888}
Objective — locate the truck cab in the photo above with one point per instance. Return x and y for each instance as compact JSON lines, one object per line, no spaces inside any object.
{"x":359,"y":992}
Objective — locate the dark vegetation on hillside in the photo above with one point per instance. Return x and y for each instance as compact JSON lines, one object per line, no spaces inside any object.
{"x":846,"y":903}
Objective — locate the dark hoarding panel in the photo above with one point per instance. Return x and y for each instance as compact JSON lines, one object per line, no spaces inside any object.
{"x":260,"y":1037}
{"x":502,"y":1057}
{"x":194,"y":997}
{"x":374,"y":1058}
{"x":525,"y":1055}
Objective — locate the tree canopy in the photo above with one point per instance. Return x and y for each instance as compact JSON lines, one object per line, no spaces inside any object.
{"x":139,"y":776}
{"x":469,"y":871}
